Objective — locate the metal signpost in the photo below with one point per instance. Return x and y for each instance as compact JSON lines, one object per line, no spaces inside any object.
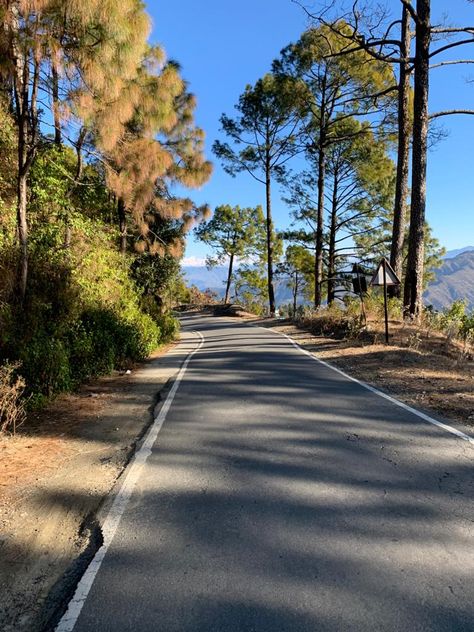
{"x":385,"y":276}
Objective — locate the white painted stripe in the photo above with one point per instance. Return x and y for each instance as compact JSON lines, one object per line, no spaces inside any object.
{"x":119,"y":504}
{"x":418,"y":413}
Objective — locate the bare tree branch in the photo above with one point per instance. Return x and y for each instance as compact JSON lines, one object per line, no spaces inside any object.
{"x":449,"y":112}
{"x":452,"y":45}
{"x":452,"y":63}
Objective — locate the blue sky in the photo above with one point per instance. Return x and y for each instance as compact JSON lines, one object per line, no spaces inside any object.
{"x":222,"y":45}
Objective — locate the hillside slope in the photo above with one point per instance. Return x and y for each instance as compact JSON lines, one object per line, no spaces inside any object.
{"x":454,"y":281}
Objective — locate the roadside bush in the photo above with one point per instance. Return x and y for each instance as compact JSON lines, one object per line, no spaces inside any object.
{"x":331,"y":321}
{"x":81,"y":319}
{"x":452,"y":319}
{"x":375,"y":308}
{"x":467,"y":328}
{"x":88,"y":308}
{"x":457,"y":322}
{"x":12,"y":405}
{"x":45,"y":365}
{"x":346,"y":321}
{"x":169,"y":326}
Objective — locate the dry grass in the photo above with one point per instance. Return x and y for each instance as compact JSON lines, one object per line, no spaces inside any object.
{"x":12,"y":404}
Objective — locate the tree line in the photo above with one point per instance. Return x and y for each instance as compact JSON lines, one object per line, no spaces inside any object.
{"x":339,"y":123}
{"x":97,"y":127}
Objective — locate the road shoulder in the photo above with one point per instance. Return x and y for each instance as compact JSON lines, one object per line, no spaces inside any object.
{"x":55,"y":477}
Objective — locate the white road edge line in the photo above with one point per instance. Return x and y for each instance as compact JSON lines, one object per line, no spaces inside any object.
{"x":111,"y":522}
{"x":418,"y":413}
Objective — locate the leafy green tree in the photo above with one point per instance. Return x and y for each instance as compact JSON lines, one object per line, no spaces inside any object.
{"x":251,"y":288}
{"x":263,"y":137}
{"x":232,"y":232}
{"x":251,"y":285}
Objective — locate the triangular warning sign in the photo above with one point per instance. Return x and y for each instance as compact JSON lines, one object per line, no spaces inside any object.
{"x":392,"y":278}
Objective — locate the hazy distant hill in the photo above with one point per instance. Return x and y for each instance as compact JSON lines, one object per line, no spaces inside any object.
{"x":454,"y":253}
{"x":454,"y":280}
{"x":204,"y":279}
{"x":215,"y":280}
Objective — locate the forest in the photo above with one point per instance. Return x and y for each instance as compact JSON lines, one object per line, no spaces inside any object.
{"x":98,"y":134}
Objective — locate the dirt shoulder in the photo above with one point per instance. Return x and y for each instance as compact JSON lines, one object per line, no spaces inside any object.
{"x":54,"y":476}
{"x":418,"y":367}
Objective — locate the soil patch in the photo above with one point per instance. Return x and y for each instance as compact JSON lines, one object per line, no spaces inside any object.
{"x":54,"y":475}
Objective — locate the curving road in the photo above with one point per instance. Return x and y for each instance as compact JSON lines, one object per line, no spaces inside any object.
{"x":282,"y":497}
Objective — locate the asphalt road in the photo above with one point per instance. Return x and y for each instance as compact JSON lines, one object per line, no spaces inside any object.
{"x":281,"y":496}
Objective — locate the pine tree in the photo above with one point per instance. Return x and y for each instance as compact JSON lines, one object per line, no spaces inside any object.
{"x":90,"y":40}
{"x":267,"y":127}
{"x":232,"y":232}
{"x":335,"y":86}
{"x":298,"y":270}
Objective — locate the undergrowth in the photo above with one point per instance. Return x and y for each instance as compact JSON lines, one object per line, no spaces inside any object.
{"x":454,"y":324}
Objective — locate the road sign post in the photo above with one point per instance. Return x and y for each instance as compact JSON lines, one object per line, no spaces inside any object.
{"x":385,"y":276}
{"x":385,"y":300}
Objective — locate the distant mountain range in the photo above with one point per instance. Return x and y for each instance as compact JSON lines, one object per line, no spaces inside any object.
{"x":454,"y":253}
{"x":454,"y":280}
{"x":207,"y":279}
{"x":215,"y":279}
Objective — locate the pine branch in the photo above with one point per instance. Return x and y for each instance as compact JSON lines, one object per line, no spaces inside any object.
{"x":452,"y":63}
{"x":449,"y":112}
{"x":452,"y":45}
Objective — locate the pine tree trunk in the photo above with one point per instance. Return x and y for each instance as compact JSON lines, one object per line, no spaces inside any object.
{"x":22,"y":192}
{"x":332,"y":246}
{"x":26,"y":65}
{"x":295,"y":293}
{"x":79,"y":158}
{"x":122,"y":225}
{"x":403,"y":157}
{"x":271,"y":291}
{"x":55,"y":94}
{"x":21,"y":80}
{"x":229,"y":279}
{"x":414,"y":276}
{"x":318,"y":262}
{"x":78,"y":175}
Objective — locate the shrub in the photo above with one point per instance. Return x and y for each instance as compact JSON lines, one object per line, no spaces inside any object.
{"x":331,"y":321}
{"x":45,"y":365}
{"x":79,"y":321}
{"x":169,"y":327}
{"x":88,"y":308}
{"x":12,"y":405}
{"x":452,"y":319}
{"x":374,"y":305}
